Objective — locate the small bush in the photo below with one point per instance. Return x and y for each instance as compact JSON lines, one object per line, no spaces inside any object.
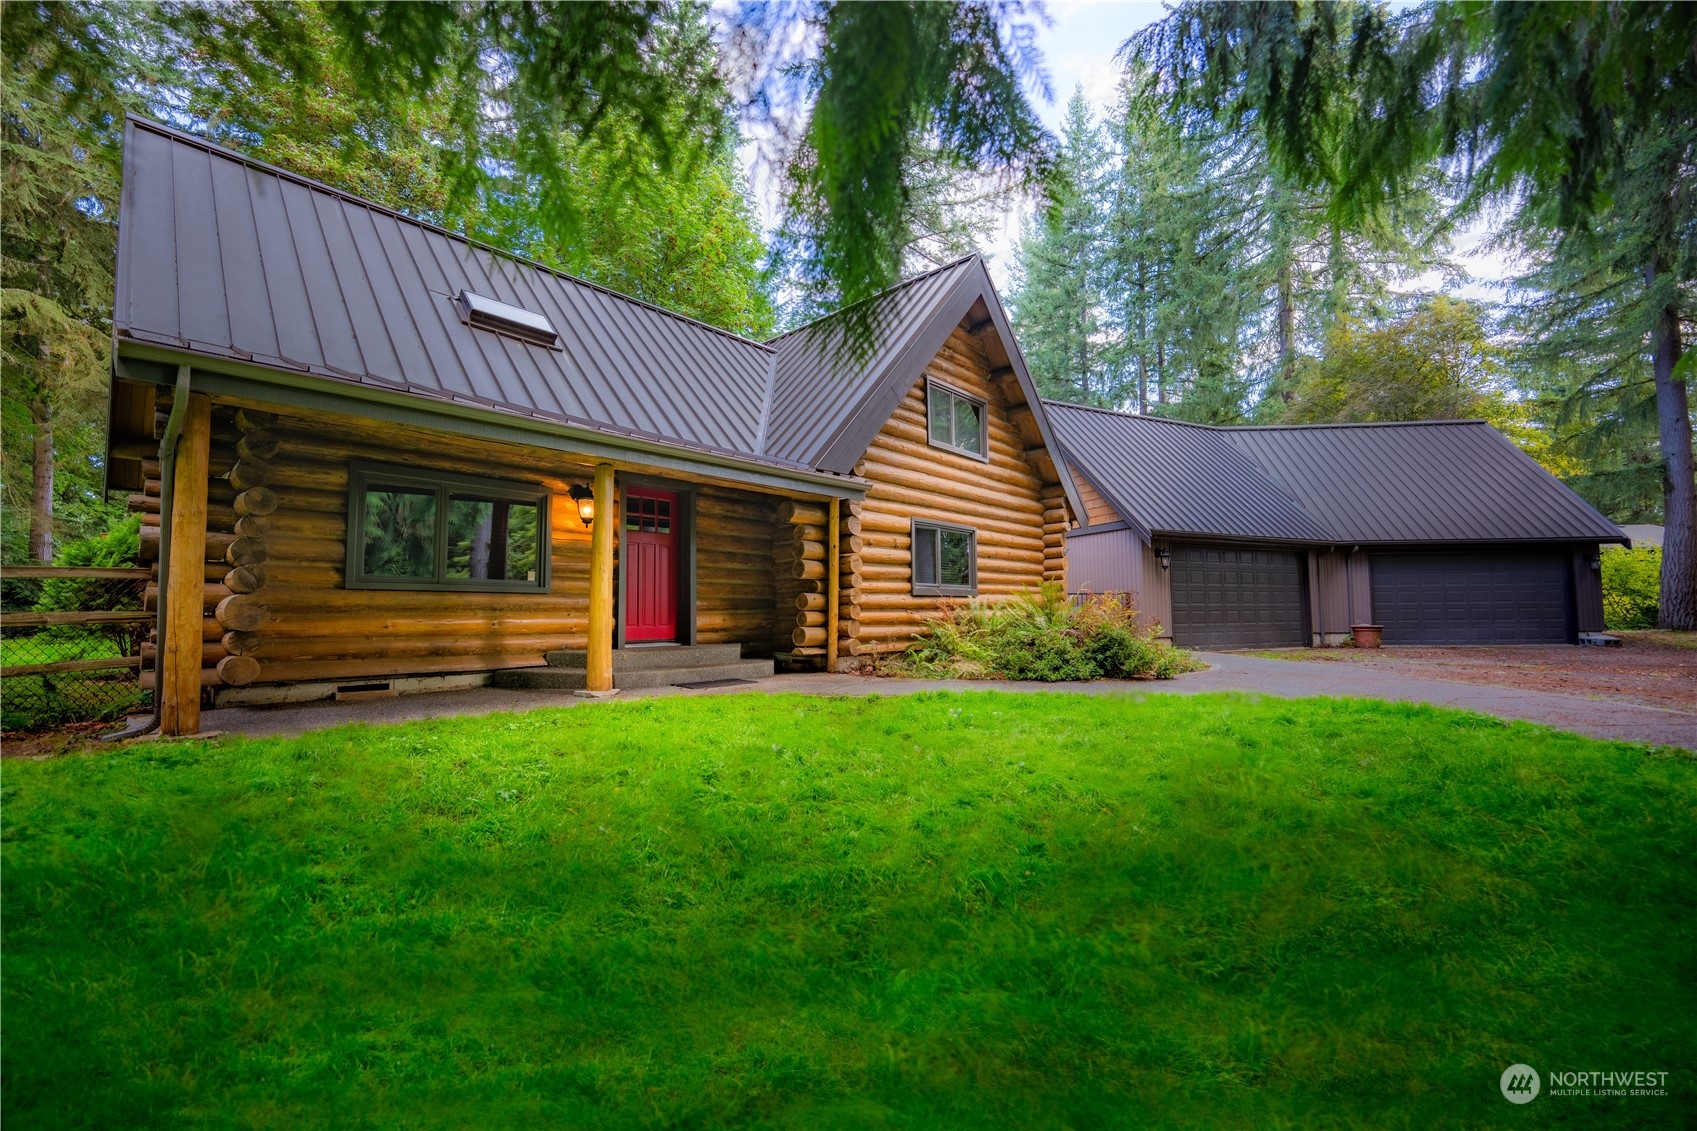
{"x":1632,"y":582}
{"x":1042,"y":636}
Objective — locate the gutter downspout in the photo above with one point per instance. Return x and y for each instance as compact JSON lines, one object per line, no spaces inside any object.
{"x":167,"y":477}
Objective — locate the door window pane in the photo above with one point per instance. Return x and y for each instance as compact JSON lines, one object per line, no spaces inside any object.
{"x":400,"y":532}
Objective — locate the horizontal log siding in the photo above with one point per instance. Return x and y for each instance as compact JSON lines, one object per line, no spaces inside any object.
{"x":1097,"y":510}
{"x":1005,"y":500}
{"x":315,"y":629}
{"x":733,"y":569}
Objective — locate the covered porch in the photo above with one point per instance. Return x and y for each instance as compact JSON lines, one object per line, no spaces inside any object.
{"x":308,"y":547}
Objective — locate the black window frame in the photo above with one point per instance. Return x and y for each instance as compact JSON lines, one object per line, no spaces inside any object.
{"x":364,"y":476}
{"x":922,"y":527}
{"x":933,"y":388}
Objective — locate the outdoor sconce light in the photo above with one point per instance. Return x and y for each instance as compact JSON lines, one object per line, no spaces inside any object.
{"x":1597,"y":562}
{"x":584,"y":497}
{"x":1165,"y":557}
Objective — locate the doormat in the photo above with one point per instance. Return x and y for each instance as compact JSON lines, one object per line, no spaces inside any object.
{"x":704,"y":684}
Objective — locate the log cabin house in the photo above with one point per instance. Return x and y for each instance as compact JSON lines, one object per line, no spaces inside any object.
{"x":372,"y":456}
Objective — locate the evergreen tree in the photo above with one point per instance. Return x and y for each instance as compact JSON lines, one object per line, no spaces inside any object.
{"x":58,"y":203}
{"x":1057,"y":300}
{"x":1583,"y":116}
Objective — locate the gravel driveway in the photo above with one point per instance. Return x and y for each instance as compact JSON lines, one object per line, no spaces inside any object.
{"x":1655,"y":669}
{"x":1598,"y":718}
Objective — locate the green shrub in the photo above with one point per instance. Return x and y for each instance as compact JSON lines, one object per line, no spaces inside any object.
{"x":116,"y":547}
{"x":1042,"y":636}
{"x":1632,"y":581}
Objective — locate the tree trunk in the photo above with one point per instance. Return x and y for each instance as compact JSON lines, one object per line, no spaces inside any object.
{"x":1142,"y":339}
{"x":41,"y":485}
{"x":1679,"y":491}
{"x":1287,"y":331}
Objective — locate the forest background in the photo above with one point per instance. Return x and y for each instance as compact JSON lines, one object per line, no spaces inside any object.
{"x":1261,"y":228}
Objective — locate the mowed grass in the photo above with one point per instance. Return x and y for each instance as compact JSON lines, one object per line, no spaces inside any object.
{"x":947,"y":910}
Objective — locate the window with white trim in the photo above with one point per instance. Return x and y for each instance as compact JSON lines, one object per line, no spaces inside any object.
{"x":955,"y":420}
{"x":945,"y":560}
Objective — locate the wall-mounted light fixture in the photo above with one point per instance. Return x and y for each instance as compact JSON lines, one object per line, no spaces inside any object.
{"x":1165,"y":557}
{"x":584,"y":497}
{"x":1597,"y":562}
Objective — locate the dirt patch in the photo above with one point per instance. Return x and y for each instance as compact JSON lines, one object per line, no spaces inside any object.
{"x":1656,"y":669}
{"x":72,"y":738}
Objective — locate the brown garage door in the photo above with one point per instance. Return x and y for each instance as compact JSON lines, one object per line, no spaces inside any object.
{"x":1230,"y":597}
{"x":1473,"y":598}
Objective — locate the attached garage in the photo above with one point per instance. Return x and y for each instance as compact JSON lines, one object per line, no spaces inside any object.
{"x":1482,"y":597}
{"x":1442,"y":532}
{"x":1237,"y":597}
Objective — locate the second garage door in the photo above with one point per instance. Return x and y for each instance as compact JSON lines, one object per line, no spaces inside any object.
{"x":1229,"y":597}
{"x":1473,"y":598}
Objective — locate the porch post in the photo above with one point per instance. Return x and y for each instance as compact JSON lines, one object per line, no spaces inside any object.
{"x":833,"y":581}
{"x":178,"y":682}
{"x":600,"y":659}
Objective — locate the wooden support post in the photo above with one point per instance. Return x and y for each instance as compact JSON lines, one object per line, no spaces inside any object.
{"x":600,"y":659}
{"x":832,"y":579}
{"x":179,"y":685}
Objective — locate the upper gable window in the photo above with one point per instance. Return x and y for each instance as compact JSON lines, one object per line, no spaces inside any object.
{"x":956,"y":420}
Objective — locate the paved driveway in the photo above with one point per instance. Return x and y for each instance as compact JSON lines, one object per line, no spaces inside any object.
{"x":1283,"y":678}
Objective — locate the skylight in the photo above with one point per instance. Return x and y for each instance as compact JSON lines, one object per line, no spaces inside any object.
{"x":493,"y":314}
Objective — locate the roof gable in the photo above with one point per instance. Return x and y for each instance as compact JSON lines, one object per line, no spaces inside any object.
{"x":1429,"y":481}
{"x":828,"y":407}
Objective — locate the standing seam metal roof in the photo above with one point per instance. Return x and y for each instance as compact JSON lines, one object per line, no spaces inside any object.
{"x":1426,"y":481}
{"x":228,"y":257}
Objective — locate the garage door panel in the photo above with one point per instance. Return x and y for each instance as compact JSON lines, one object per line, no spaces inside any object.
{"x":1489,"y":597}
{"x":1237,"y":598}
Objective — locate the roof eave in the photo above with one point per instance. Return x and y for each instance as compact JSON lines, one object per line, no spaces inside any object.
{"x":443,"y":414}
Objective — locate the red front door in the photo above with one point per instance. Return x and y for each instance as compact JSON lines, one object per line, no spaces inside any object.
{"x":651,"y":556}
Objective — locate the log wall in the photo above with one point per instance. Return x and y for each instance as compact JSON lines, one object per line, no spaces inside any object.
{"x":1020,"y":518}
{"x":276,"y":610}
{"x":1097,"y":510}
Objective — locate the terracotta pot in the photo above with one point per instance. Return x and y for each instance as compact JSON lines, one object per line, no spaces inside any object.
{"x":1367,"y":635}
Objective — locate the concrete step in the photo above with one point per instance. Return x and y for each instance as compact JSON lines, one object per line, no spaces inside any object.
{"x":668,"y":677}
{"x":574,"y":679}
{"x":648,"y":658}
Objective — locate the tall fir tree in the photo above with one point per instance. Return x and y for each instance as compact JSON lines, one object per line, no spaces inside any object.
{"x":1057,"y":299}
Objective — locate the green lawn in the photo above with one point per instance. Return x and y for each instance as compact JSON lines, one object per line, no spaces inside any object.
{"x":974,"y":910}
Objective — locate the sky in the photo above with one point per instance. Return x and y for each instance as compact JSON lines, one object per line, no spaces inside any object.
{"x":1078,"y":47}
{"x":1078,"y":44}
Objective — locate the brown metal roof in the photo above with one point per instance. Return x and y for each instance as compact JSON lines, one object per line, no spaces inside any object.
{"x":226,"y":257}
{"x":822,"y":385}
{"x":1397,"y":483}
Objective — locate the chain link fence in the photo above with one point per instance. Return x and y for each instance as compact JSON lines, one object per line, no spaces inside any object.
{"x":70,"y":644}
